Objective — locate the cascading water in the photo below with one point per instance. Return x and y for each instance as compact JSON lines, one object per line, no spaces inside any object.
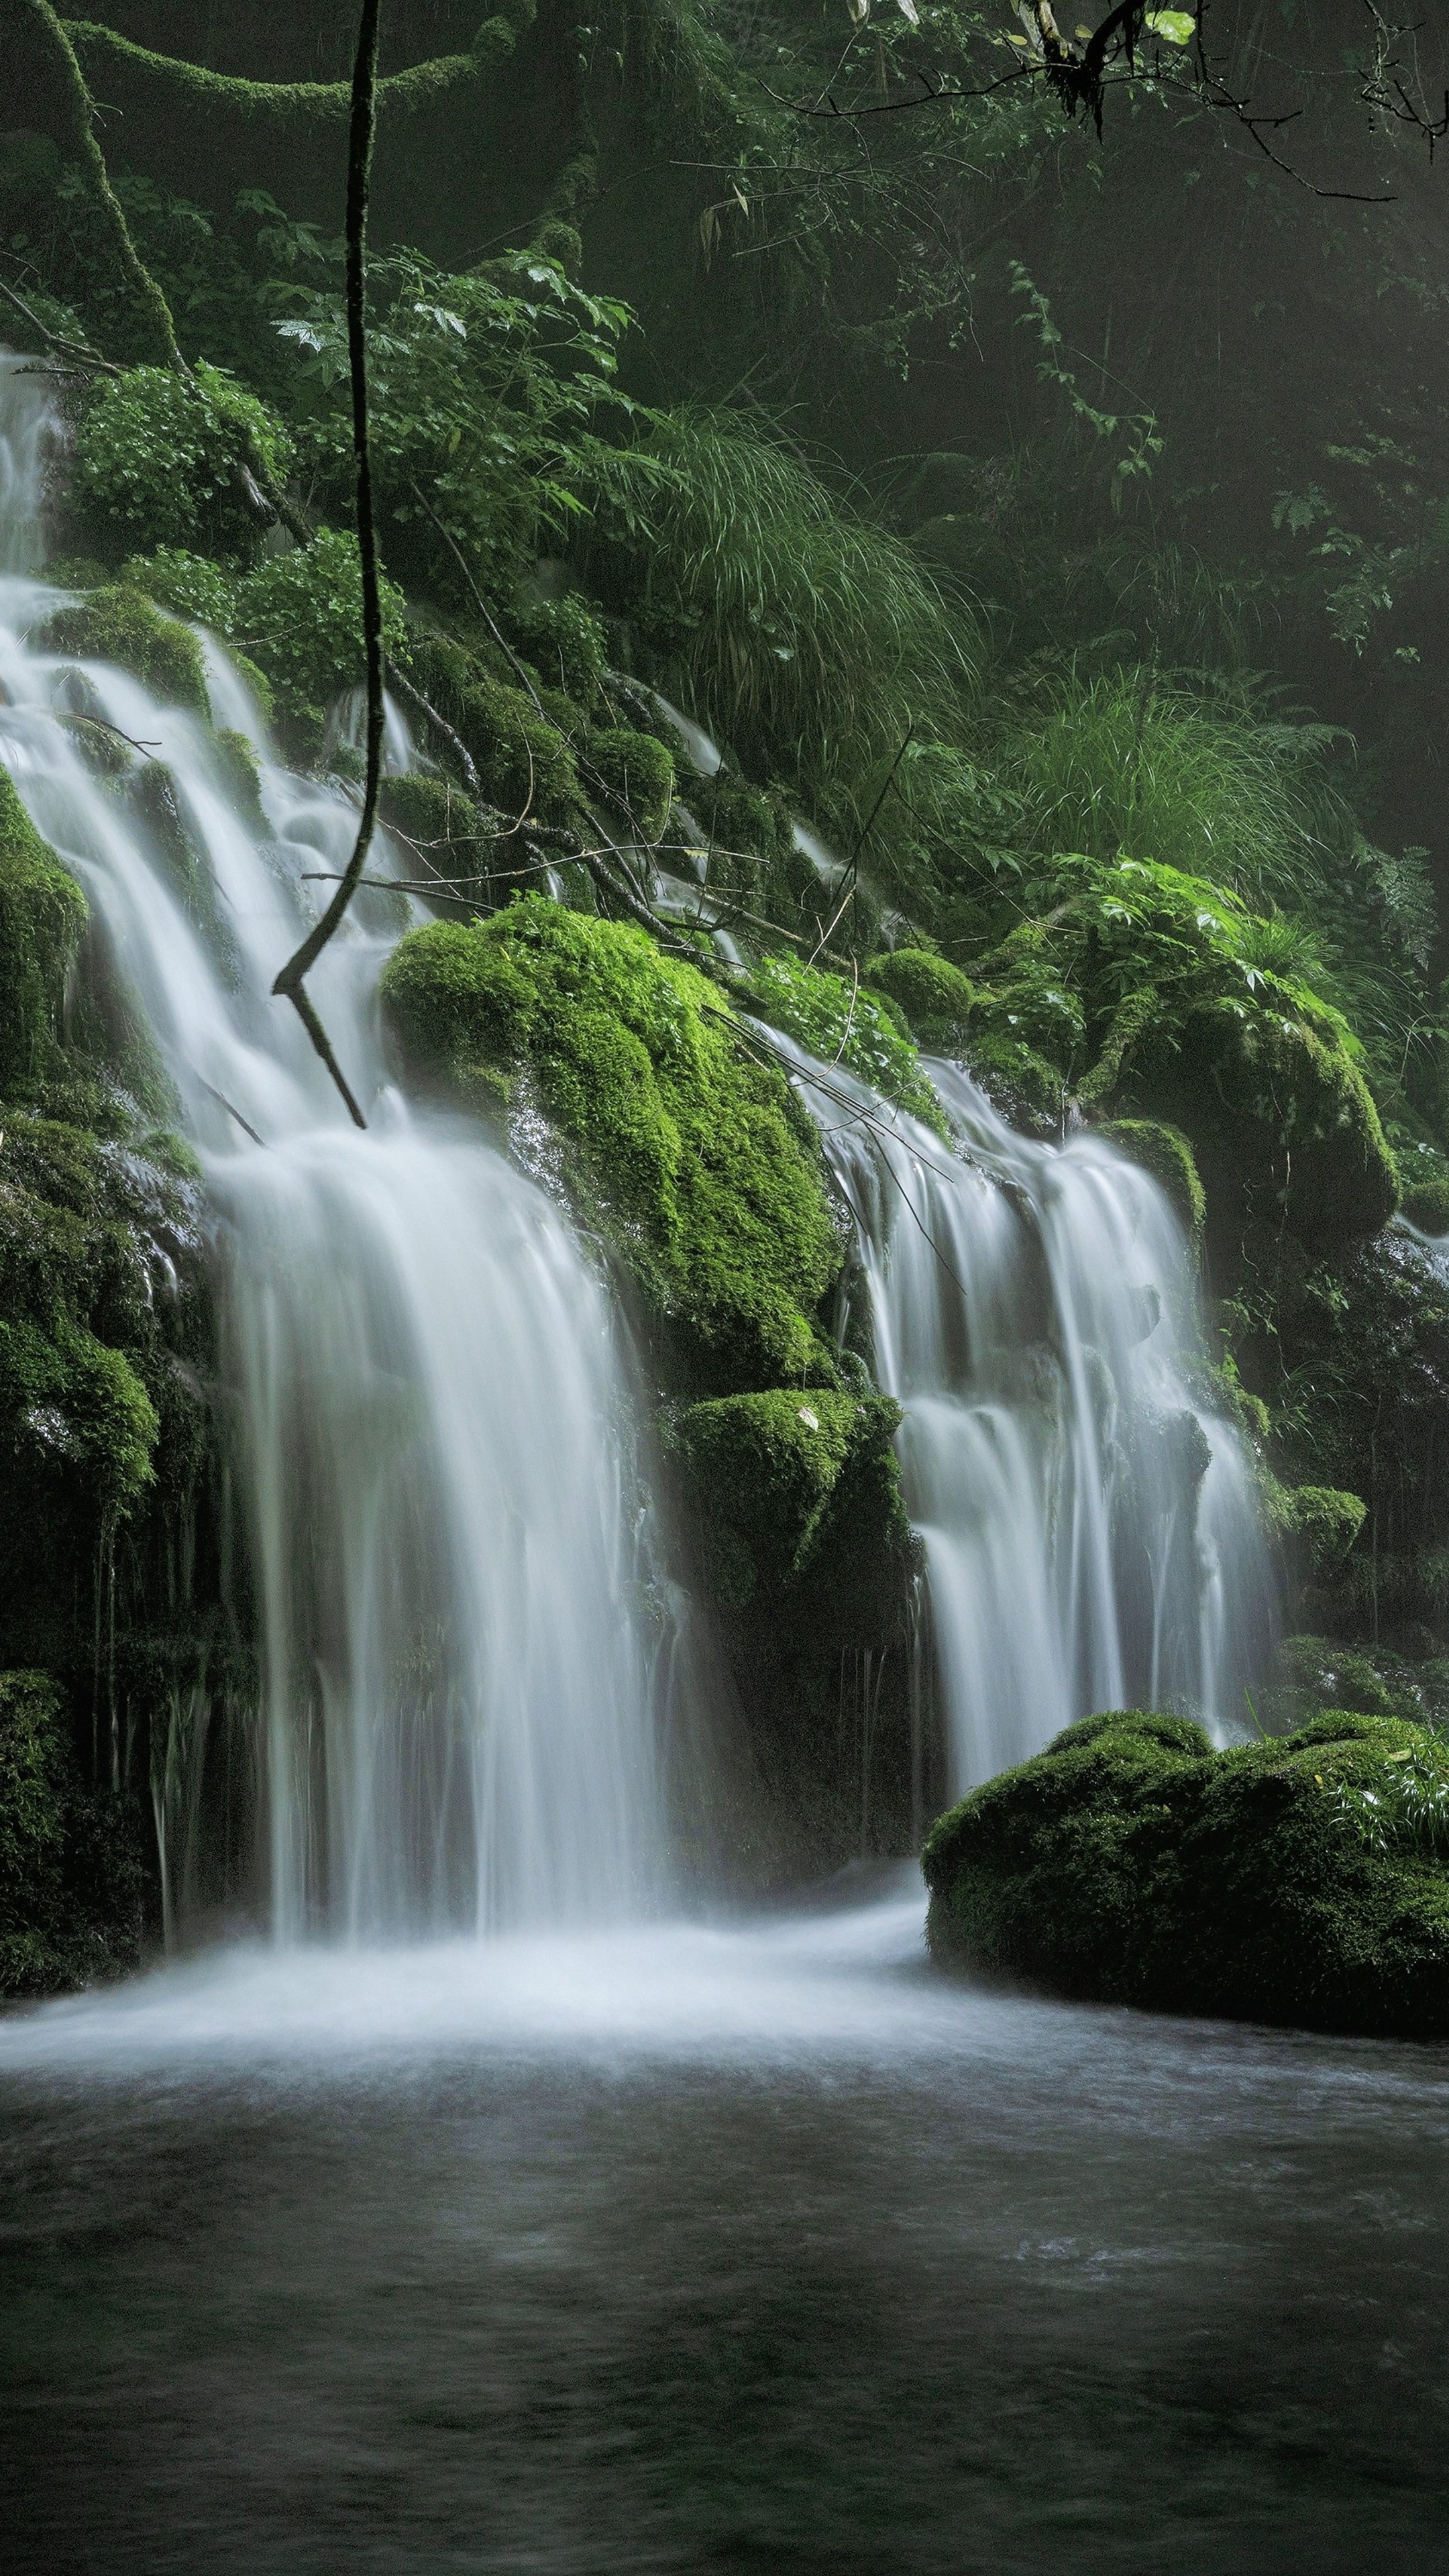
{"x":458,"y":1717}
{"x":1089,"y":1526}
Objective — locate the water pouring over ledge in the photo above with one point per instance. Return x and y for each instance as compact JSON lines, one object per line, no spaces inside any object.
{"x":458,"y":1721}
{"x":1089,"y":1521}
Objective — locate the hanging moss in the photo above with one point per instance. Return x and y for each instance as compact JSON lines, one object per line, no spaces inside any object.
{"x":119,"y":624}
{"x":934,"y":995}
{"x":70,"y":1875}
{"x":689,"y":1155}
{"x":42,"y":915}
{"x":1304,"y":1880}
{"x":162,"y":459}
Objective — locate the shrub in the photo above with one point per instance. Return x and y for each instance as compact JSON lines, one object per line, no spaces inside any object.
{"x":844,"y":1024}
{"x":160,"y":458}
{"x":299,"y":616}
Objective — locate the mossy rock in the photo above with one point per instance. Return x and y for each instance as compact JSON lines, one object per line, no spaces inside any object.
{"x":1274,"y":1104}
{"x":844,"y":1024}
{"x":934,"y":995}
{"x":119,"y":624}
{"x":635,"y":775}
{"x":42,"y":915}
{"x":1426,"y":1205}
{"x":1319,"y":1523}
{"x":441,"y":822}
{"x":563,"y":639}
{"x":1301,"y":1881}
{"x":524,"y":764}
{"x":1164,"y":1152}
{"x":161,"y":459}
{"x":796,"y":1503}
{"x":1311,"y":1674}
{"x":693,"y":1159}
{"x":70,"y":1875}
{"x":242,"y":775}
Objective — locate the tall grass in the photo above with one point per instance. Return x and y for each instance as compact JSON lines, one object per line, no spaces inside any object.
{"x":785,"y":616}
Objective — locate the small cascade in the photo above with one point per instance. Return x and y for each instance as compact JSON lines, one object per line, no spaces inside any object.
{"x":1088,"y":1520}
{"x":458,"y":1721}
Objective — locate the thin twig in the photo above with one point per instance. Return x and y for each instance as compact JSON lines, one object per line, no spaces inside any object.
{"x":289,"y":984}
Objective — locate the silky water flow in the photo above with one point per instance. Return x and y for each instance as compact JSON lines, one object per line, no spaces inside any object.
{"x":1088,"y":1519}
{"x":458,"y":1713}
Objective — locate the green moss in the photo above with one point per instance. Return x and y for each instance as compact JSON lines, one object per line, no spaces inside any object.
{"x":160,"y":459}
{"x":1278,"y":1104}
{"x":1165,"y":1152}
{"x":844,"y":1024}
{"x":934,"y":995}
{"x":191,"y":586}
{"x":1319,"y":1523}
{"x":564,"y":641}
{"x":636,"y":776}
{"x":1426,"y":1205}
{"x":1132,"y":1864}
{"x":524,"y":764}
{"x":789,"y":1491}
{"x":119,"y":624}
{"x":242,"y":773}
{"x":69,"y":1876}
{"x":42,"y":915}
{"x":691,"y":1156}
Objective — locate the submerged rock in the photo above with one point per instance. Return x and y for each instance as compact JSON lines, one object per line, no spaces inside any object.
{"x":1301,"y":1880}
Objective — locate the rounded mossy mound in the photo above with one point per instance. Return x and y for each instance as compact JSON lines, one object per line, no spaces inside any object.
{"x":120,"y":624}
{"x":634,"y":775}
{"x":1302,"y":1880}
{"x":1164,"y":1152}
{"x":934,"y":995}
{"x":796,"y":1509}
{"x":687,"y":1152}
{"x":163,"y":459}
{"x":1272,"y":1102}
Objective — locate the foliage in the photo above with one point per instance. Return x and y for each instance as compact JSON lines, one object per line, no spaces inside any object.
{"x":636,"y":776}
{"x":160,"y":460}
{"x":684,"y":1149}
{"x":299,"y":616}
{"x":1289,"y":1881}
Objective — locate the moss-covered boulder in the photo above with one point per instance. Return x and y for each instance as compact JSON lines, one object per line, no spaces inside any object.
{"x":634,"y":775}
{"x":795,"y":1500}
{"x":690,"y":1154}
{"x":42,"y":916}
{"x":1165,"y":1152}
{"x":120,"y":624}
{"x":1318,"y":1523}
{"x":1311,"y":1674}
{"x":1271,"y":1101}
{"x":1303,"y":1880}
{"x":934,"y":995}
{"x":70,"y":1874}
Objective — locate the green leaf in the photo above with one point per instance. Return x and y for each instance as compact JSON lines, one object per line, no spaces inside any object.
{"x":1175,"y":24}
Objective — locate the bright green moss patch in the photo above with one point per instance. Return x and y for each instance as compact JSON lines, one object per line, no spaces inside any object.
{"x":1164,"y":1152}
{"x":934,"y":995}
{"x":162,"y":460}
{"x":1302,"y":1880}
{"x":42,"y":915}
{"x":120,"y":624}
{"x":1319,"y":1523}
{"x":843,"y":1024}
{"x":690,"y":1155}
{"x":791,"y":1491}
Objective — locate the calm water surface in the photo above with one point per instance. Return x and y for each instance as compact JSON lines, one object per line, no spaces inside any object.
{"x":759,"y":2249}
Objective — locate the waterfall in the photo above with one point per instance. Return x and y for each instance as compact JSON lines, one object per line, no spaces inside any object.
{"x":457,"y":1722}
{"x":1088,"y":1518}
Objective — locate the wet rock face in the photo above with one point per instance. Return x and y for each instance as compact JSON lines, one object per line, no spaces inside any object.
{"x":1301,"y":1880}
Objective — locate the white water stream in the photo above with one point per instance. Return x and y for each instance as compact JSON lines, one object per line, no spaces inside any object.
{"x":1088,"y":1520}
{"x":458,"y":1723}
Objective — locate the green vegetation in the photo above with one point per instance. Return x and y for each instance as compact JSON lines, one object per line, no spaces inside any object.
{"x":119,"y":624}
{"x":846,"y":1025}
{"x":168,"y":460}
{"x":70,"y":1867}
{"x":1305,"y":1879}
{"x":680,"y":1142}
